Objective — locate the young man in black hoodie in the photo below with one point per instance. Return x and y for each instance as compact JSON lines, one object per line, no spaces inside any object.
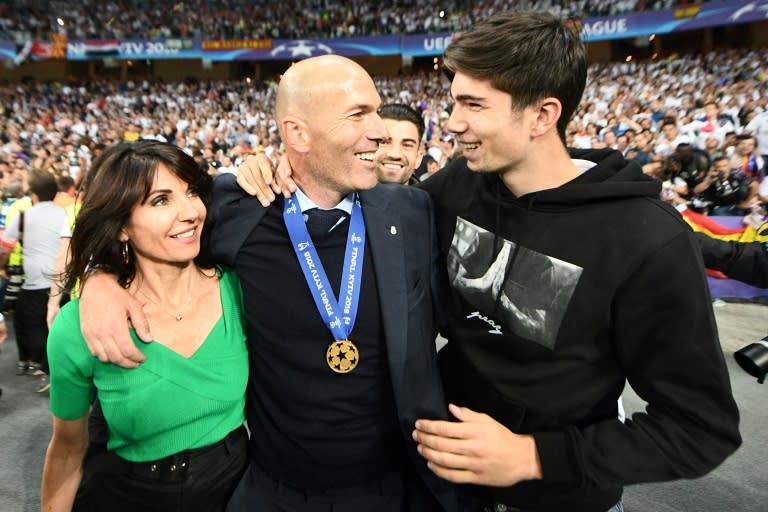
{"x":568,"y":278}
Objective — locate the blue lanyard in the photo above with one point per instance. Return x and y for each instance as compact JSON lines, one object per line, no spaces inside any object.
{"x":339,"y":316}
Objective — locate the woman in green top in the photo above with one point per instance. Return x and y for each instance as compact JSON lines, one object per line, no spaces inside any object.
{"x":175,"y":424}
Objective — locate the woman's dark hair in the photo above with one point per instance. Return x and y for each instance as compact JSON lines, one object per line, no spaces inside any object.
{"x":119,"y":180}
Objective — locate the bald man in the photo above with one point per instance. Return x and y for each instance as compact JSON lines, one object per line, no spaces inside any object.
{"x":337,"y":381}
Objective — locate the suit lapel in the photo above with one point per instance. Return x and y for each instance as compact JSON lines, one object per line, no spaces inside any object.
{"x":384,"y":234}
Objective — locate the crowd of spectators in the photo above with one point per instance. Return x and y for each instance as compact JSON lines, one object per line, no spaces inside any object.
{"x":677,"y":118}
{"x":22,"y":20}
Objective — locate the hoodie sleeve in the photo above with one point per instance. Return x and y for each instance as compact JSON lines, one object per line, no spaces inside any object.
{"x":665,"y":339}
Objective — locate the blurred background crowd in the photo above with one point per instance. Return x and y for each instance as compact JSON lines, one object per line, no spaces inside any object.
{"x":295,"y":19}
{"x":699,"y":123}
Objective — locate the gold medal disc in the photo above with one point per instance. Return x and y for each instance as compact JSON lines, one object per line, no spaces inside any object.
{"x":342,"y":356}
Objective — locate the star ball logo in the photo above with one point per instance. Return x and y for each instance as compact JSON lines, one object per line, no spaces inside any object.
{"x":751,"y":7}
{"x":301,"y":48}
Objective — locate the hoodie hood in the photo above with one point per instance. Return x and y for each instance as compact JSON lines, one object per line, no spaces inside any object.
{"x":612,"y":178}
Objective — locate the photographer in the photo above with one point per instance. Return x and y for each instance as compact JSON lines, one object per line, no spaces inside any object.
{"x":694,"y":164}
{"x":680,"y":173}
{"x":725,"y":191}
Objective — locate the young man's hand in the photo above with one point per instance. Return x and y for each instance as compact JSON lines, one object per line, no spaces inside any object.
{"x":477,"y":449}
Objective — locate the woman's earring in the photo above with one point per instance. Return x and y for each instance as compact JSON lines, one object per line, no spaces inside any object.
{"x":125,"y":251}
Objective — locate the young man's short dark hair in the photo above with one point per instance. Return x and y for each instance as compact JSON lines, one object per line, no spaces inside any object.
{"x":528,"y":55}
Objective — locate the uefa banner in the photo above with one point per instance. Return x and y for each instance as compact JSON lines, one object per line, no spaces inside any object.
{"x":7,"y":50}
{"x":231,"y":50}
{"x":683,"y":18}
{"x":292,"y":49}
{"x":126,"y":49}
{"x":425,"y":45}
{"x":679,"y":19}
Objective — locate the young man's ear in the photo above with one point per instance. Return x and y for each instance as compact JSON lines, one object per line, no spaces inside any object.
{"x":548,"y":112}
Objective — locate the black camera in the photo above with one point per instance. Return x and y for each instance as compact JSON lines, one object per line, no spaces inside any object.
{"x":753,"y":359}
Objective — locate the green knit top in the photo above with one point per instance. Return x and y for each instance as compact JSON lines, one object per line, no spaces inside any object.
{"x":168,"y":404}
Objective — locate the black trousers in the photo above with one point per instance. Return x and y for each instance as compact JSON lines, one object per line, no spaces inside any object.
{"x":31,"y":326}
{"x":260,"y":492}
{"x":200,"y":480}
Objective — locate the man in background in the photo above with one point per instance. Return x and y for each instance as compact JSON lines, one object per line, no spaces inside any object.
{"x":38,"y":231}
{"x":400,"y":153}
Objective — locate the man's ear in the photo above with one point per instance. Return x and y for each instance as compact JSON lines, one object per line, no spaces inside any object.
{"x":295,"y":134}
{"x":419,"y":157}
{"x":548,"y":111}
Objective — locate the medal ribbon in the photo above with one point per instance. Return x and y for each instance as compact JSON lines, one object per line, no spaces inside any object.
{"x":339,"y":316}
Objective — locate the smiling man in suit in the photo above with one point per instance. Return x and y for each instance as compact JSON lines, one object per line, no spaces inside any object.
{"x":339,"y":287}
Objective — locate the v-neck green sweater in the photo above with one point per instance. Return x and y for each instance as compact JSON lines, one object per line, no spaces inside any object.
{"x":170,"y":403}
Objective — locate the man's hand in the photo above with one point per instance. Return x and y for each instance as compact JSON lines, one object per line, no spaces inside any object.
{"x":104,"y":308}
{"x":3,"y":331}
{"x":477,"y":449}
{"x":256,"y":177}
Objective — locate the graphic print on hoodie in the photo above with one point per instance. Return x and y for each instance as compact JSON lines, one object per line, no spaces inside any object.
{"x":526,"y":290}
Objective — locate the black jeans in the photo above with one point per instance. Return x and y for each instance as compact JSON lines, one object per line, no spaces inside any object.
{"x":31,"y":326}
{"x":260,"y":492}
{"x":199,"y":480}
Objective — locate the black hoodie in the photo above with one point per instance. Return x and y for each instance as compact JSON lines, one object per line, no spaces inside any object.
{"x":559,"y":296}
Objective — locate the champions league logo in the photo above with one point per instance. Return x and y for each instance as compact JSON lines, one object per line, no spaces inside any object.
{"x":750,"y":7}
{"x":300,"y":48}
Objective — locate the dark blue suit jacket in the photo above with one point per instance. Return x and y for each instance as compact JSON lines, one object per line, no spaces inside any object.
{"x":406,"y":260}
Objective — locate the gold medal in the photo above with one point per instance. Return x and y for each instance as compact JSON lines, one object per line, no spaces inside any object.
{"x":342,"y":356}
